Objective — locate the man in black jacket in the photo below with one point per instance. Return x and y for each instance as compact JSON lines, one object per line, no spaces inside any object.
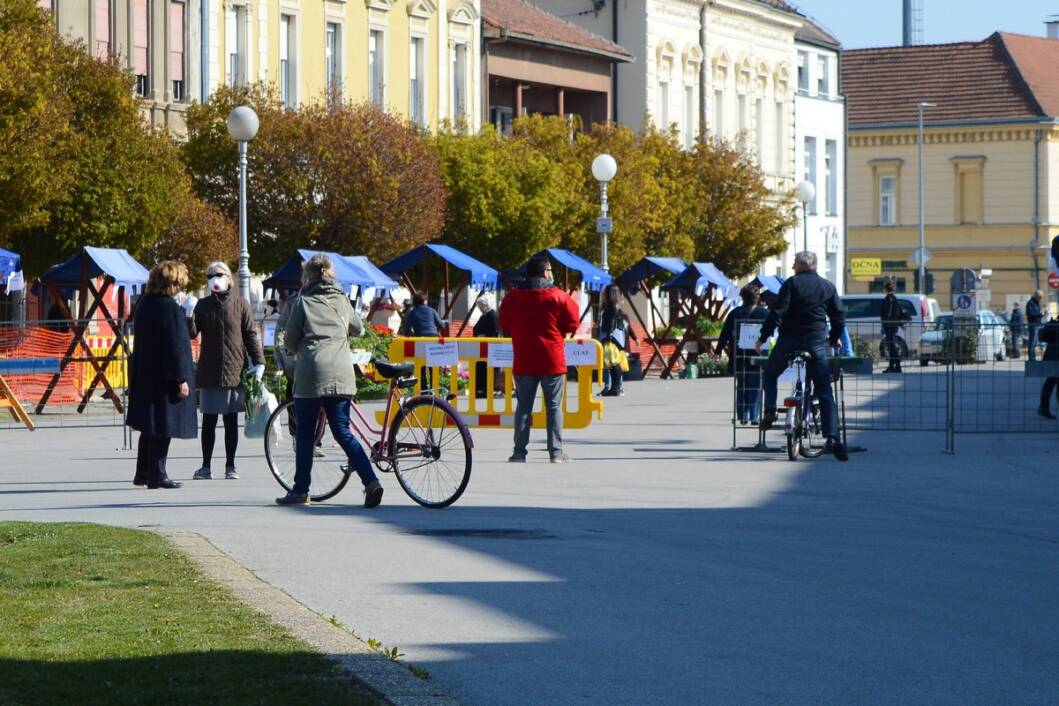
{"x":804,"y":306}
{"x":1049,"y":335}
{"x":1034,"y":317}
{"x":746,"y":375}
{"x":891,"y":324}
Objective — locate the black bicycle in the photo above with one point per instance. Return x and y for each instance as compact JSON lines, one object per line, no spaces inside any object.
{"x":804,"y":428}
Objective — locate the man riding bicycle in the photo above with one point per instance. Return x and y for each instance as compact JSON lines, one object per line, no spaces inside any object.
{"x":803,"y":307}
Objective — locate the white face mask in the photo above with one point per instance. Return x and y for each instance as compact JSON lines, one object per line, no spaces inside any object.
{"x":218,"y":283}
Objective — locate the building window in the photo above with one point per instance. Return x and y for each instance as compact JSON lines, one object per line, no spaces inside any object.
{"x":803,"y":72}
{"x":742,"y":118}
{"x":810,"y":169}
{"x":501,"y":117}
{"x":887,"y":200}
{"x":417,"y":81}
{"x":969,"y":196}
{"x":823,"y":79}
{"x":140,"y":36}
{"x":333,"y":58}
{"x":288,"y":48}
{"x":102,"y":28}
{"x":718,"y":114}
{"x":689,"y":117}
{"x":663,"y":105}
{"x":781,"y":134}
{"x":235,"y":45}
{"x":177,"y":40}
{"x":759,"y":129}
{"x":831,"y":177}
{"x":376,"y":67}
{"x":459,"y":81}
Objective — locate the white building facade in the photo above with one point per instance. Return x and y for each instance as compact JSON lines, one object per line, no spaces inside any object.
{"x":820,"y":139}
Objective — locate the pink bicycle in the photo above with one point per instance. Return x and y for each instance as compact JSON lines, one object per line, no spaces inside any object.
{"x":425,"y":444}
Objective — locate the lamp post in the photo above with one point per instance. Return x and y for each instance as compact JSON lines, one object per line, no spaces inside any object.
{"x":604,"y":168}
{"x":805,"y":191}
{"x":922,"y":284}
{"x":242,"y":126}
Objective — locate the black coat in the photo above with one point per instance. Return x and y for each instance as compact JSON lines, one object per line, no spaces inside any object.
{"x":803,"y":307}
{"x":488,"y":325}
{"x":729,"y":341}
{"x":1049,"y":335}
{"x":161,"y":360}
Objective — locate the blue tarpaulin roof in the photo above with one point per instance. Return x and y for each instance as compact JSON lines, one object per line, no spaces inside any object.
{"x":593,"y":277}
{"x":113,"y":262}
{"x":9,"y":262}
{"x":347,"y":273}
{"x":376,"y":277}
{"x":700,"y":276}
{"x":482,"y":275}
{"x":649,"y":267}
{"x":770,"y":283}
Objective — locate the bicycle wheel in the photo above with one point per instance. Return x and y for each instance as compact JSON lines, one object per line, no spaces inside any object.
{"x":794,"y":442}
{"x":430,"y":448}
{"x":330,"y":466}
{"x":813,"y":440}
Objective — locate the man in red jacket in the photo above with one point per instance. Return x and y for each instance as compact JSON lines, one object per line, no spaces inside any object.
{"x":538,"y":317}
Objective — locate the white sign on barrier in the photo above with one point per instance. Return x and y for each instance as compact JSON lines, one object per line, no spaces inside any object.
{"x":580,"y":353}
{"x":442,"y":354}
{"x":501,"y":355}
{"x":748,"y":336}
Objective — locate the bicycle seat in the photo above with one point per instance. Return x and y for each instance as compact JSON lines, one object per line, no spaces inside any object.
{"x":795,"y":355}
{"x":394,"y":370}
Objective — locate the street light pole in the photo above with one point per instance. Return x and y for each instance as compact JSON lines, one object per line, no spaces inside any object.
{"x":604,"y":168}
{"x":921,"y":287}
{"x":603,"y":209}
{"x":805,"y":191}
{"x":242,"y":127}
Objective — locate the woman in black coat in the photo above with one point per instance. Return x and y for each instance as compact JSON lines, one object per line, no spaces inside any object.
{"x":161,"y":406}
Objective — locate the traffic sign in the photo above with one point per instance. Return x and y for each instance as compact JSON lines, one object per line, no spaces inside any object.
{"x":1053,"y":280}
{"x":604,"y":225}
{"x":915,"y":256}
{"x":963,"y":305}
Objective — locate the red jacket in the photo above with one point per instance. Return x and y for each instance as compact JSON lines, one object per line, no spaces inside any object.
{"x":538,"y":320}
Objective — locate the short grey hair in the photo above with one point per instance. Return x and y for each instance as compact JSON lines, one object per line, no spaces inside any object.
{"x":807,"y":258}
{"x":218,"y":268}
{"x":316,"y":268}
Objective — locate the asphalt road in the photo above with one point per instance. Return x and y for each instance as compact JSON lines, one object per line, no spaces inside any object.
{"x":659,"y":567}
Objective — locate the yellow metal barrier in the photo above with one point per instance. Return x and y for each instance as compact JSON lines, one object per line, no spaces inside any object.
{"x":116,"y":370}
{"x":448,"y":359}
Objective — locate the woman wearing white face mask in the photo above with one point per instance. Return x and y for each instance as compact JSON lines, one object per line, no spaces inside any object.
{"x":229,"y":337}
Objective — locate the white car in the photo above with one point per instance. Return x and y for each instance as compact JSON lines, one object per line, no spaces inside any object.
{"x":990,"y":331}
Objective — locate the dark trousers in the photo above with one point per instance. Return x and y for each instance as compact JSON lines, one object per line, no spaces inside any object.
{"x":890,"y":342}
{"x":747,"y":389}
{"x":818,"y":370}
{"x":336,"y":409}
{"x":1050,"y":385}
{"x":151,"y":454}
{"x":209,"y":437}
{"x":1033,"y":330}
{"x":612,"y":379}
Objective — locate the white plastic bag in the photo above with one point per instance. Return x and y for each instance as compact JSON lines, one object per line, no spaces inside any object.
{"x":261,"y":409}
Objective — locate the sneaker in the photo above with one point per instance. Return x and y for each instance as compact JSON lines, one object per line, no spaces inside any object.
{"x":560,"y":458}
{"x":294,"y":499}
{"x":230,"y":474}
{"x":1047,"y":414}
{"x":835,"y":447}
{"x":373,"y":494}
{"x":767,"y":419}
{"x":203,"y":473}
{"x":517,"y":458}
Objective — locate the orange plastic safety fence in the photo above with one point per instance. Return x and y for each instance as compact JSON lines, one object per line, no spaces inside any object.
{"x":37,"y":342}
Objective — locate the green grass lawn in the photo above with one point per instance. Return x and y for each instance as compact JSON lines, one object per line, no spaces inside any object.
{"x":101,"y":615}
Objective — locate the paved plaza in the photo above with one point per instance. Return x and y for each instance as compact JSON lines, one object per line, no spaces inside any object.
{"x":659,"y":567}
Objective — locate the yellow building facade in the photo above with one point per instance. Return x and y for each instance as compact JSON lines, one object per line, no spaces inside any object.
{"x":990,"y":165}
{"x":416,"y":58}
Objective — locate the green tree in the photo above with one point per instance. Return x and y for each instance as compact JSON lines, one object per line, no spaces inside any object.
{"x":736,"y":222}
{"x":351,"y":179}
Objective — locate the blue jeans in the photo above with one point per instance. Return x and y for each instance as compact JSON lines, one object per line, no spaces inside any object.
{"x":818,"y":371}
{"x":1033,"y":331}
{"x":747,"y":388}
{"x":526,"y":389}
{"x":307,"y":411}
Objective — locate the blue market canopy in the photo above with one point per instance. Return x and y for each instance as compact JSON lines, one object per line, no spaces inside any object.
{"x":770,"y":283}
{"x":98,"y":262}
{"x":289,"y":274}
{"x":700,"y":276}
{"x":375,"y":277}
{"x":593,"y":277}
{"x":650,"y":267}
{"x":9,"y":262}
{"x":482,"y":275}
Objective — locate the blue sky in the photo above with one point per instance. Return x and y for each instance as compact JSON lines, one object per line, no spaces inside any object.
{"x":876,"y":23}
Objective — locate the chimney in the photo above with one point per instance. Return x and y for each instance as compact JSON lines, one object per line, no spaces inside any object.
{"x":1051,"y":26}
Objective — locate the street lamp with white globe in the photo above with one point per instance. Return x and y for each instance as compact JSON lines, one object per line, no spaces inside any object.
{"x":242,"y":127}
{"x":604,"y":169}
{"x":806,"y":192}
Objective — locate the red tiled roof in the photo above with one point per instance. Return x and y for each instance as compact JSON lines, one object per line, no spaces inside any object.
{"x":520,"y":20}
{"x":968,"y":81}
{"x":1037,"y":61}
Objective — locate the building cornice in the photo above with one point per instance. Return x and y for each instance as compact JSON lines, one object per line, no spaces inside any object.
{"x":1028,"y":120}
{"x":1016,"y":132}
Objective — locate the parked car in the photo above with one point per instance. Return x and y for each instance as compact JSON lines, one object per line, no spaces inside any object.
{"x":1009,"y":340}
{"x":863,"y":312}
{"x":988,"y":341}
